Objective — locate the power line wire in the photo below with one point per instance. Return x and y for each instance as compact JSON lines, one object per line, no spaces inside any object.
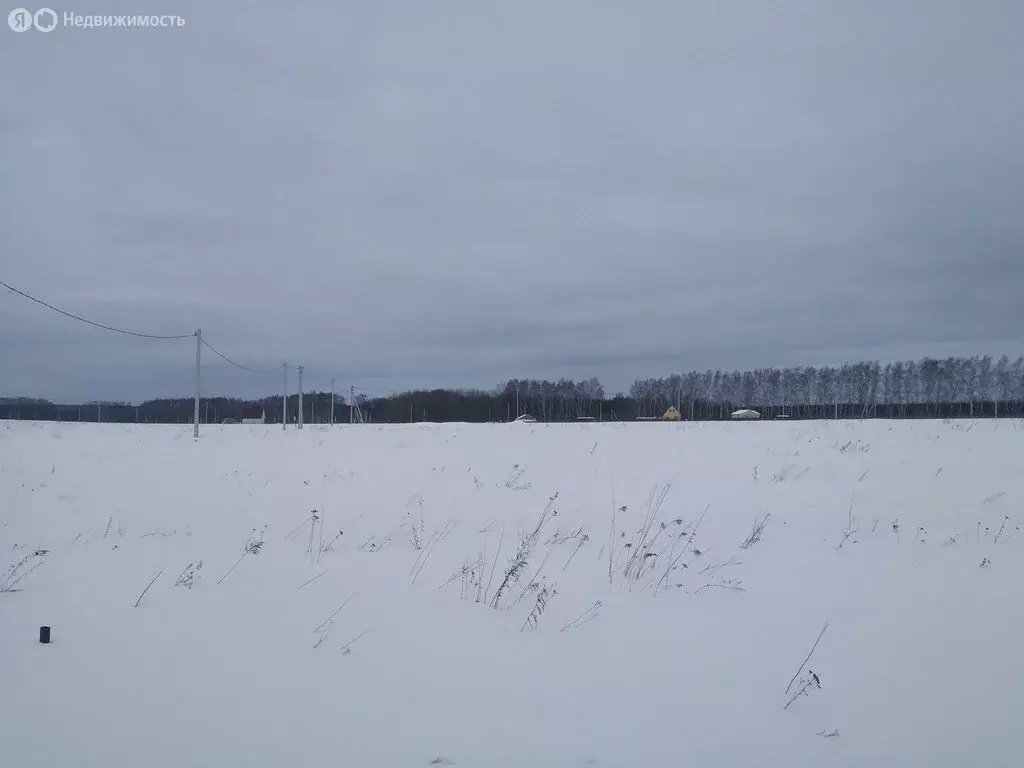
{"x":239,"y":365}
{"x":140,"y":335}
{"x":320,"y":378}
{"x":90,"y":322}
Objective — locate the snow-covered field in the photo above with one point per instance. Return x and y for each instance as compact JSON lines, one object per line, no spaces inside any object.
{"x":373,"y":648}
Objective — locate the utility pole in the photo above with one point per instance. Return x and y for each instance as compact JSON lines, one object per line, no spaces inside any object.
{"x":300,"y":397}
{"x":332,"y":402}
{"x":195,"y":416}
{"x":284,"y":399}
{"x":351,"y":402}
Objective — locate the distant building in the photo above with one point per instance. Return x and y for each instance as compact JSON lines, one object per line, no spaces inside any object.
{"x":745,"y":414}
{"x":254,"y":416}
{"x":671,"y":414}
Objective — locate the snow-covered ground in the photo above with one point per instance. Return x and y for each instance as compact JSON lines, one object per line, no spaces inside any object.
{"x":905,"y":537}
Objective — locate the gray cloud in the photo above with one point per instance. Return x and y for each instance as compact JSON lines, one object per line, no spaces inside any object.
{"x":405,"y":195}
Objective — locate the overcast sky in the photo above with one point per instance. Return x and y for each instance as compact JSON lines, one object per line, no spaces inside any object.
{"x":450,"y":193}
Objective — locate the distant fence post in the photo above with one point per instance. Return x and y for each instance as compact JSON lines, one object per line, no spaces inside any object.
{"x":195,"y":417}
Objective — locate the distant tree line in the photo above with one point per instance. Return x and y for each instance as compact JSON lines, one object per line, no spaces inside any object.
{"x":929,"y":388}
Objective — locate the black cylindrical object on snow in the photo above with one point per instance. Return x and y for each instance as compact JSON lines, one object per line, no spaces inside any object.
{"x":44,"y":634}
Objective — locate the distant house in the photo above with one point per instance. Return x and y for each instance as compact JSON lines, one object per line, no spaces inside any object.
{"x":526,"y":418}
{"x":745,"y":414}
{"x":254,"y":416}
{"x":672,"y":414}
